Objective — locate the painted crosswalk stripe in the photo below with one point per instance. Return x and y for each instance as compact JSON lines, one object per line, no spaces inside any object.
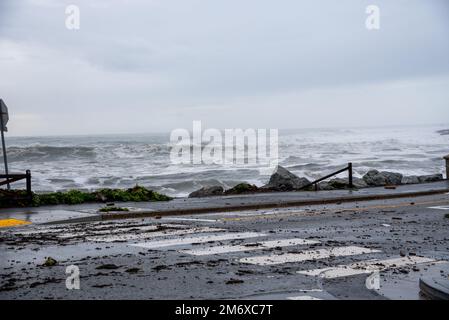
{"x":367,"y":266}
{"x":126,"y":229}
{"x":95,"y":229}
{"x":307,"y":255}
{"x":154,"y":234}
{"x":38,"y":231}
{"x":108,"y":231}
{"x":249,"y":246}
{"x":200,"y":239}
{"x":440,"y":207}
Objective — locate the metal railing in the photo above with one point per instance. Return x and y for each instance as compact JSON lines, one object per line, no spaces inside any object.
{"x":315,"y":183}
{"x":10,"y":178}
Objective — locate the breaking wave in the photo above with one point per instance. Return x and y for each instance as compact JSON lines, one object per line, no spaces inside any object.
{"x":121,"y":161}
{"x":49,"y":153}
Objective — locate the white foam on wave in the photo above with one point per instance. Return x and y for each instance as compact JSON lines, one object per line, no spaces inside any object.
{"x":123,"y":160}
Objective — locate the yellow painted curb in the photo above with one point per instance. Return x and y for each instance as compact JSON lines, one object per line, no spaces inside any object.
{"x":4,"y":223}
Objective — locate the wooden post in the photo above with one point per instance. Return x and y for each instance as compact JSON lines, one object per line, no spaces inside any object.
{"x":447,"y":166}
{"x":350,"y":175}
{"x":28,"y":185}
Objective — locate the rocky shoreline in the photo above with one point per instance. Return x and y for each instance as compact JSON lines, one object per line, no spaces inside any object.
{"x":283,"y":180}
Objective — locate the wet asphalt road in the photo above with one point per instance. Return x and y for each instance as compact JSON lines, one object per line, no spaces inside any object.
{"x":111,"y":266}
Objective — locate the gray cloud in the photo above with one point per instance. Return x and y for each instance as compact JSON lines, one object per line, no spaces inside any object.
{"x":168,"y":62}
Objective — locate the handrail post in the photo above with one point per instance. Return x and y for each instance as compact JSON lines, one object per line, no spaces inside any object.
{"x":5,"y":159}
{"x":447,"y":166}
{"x":28,"y":185}
{"x":350,"y":175}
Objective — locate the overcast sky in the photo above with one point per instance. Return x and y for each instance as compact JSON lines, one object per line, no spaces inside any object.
{"x":152,"y":66}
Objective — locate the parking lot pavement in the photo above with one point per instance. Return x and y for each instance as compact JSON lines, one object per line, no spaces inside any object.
{"x":365,"y":250}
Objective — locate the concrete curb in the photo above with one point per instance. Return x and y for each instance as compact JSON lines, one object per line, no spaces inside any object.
{"x":243,"y":207}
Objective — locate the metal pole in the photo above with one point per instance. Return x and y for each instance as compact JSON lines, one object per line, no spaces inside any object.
{"x":447,"y":166}
{"x":28,"y":183}
{"x":4,"y":151}
{"x":350,"y":175}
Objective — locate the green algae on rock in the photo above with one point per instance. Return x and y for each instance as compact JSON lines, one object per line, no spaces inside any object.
{"x":17,"y":198}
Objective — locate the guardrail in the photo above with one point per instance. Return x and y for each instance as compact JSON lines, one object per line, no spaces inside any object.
{"x":315,"y":183}
{"x":10,"y":178}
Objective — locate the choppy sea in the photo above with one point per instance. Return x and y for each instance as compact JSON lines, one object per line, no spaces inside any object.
{"x":92,"y":162}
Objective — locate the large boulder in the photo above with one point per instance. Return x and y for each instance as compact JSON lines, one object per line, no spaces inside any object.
{"x":284,"y":180}
{"x":376,"y":178}
{"x":207,"y":192}
{"x":372,"y":178}
{"x":343,"y":183}
{"x":242,"y":188}
{"x":410,"y":180}
{"x":430,"y":178}
{"x":359,"y":183}
{"x":324,"y":185}
{"x":339,"y":183}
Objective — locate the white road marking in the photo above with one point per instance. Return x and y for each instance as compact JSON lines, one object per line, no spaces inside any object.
{"x":263,"y":213}
{"x":110,"y":231}
{"x":38,"y":231}
{"x":95,"y":229}
{"x":230,"y":215}
{"x":303,"y":298}
{"x":155,"y":234}
{"x":189,"y":219}
{"x":440,"y":207}
{"x":367,"y":266}
{"x":249,"y":246}
{"x":311,"y":290}
{"x":307,"y":255}
{"x":201,"y":239}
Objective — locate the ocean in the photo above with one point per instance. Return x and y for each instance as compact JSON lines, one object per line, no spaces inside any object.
{"x":121,"y":161}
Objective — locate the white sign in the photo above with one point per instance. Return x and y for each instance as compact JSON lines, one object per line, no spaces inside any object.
{"x":4,"y":116}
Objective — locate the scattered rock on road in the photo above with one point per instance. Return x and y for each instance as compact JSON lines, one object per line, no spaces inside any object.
{"x":132,"y":270}
{"x":50,"y":262}
{"x":107,"y":267}
{"x":234,"y":281}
